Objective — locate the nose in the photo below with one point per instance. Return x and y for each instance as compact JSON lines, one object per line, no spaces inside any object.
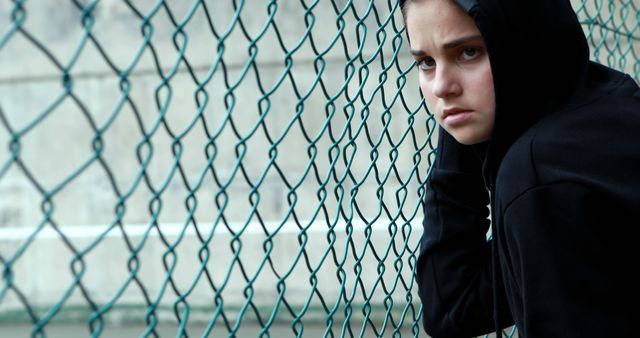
{"x":446,"y":83}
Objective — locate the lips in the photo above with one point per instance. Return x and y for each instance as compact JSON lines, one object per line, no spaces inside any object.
{"x":452,"y":111}
{"x":455,"y":116}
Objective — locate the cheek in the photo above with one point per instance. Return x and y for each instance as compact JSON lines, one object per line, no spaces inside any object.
{"x":483,"y":88}
{"x":425,"y":87}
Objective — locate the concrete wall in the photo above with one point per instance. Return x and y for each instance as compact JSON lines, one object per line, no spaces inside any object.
{"x":82,"y":191}
{"x":144,"y":100}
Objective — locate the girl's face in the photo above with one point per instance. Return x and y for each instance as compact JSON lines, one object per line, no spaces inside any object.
{"x":455,"y":74}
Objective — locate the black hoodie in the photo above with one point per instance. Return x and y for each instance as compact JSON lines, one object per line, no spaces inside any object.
{"x":563,"y":172}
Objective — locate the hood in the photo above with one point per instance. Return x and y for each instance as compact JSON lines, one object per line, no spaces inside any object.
{"x":539,"y":57}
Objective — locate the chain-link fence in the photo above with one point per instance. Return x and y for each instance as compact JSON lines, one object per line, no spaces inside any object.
{"x":220,"y":168}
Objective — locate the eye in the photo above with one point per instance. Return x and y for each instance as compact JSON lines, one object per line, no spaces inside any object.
{"x":470,"y":53}
{"x":426,"y":64}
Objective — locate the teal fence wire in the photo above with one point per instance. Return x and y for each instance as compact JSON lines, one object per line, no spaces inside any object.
{"x":220,"y":168}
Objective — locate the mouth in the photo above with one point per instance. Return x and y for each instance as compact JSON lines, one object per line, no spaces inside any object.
{"x":454,"y":116}
{"x":453,"y":111}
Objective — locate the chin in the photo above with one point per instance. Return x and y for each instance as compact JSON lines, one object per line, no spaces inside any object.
{"x":470,"y":139}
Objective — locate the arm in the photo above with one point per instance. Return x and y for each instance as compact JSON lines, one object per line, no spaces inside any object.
{"x":573,"y":252}
{"x":454,"y":270}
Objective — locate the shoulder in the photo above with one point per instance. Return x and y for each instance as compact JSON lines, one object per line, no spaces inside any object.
{"x":594,"y":145}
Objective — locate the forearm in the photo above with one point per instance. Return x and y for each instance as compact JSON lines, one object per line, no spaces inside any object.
{"x":455,"y":264}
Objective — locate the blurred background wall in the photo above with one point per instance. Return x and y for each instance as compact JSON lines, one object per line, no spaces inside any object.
{"x":252,"y":160}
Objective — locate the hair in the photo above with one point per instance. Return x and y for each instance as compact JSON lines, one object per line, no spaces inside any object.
{"x":403,"y":4}
{"x":403,"y":7}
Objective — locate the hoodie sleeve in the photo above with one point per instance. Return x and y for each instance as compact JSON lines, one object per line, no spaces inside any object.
{"x":454,"y":271}
{"x":575,"y":246}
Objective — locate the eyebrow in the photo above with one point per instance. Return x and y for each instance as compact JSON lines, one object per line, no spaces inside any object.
{"x":451,"y":44}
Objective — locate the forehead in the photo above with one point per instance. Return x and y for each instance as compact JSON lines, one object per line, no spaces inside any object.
{"x":432,"y":23}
